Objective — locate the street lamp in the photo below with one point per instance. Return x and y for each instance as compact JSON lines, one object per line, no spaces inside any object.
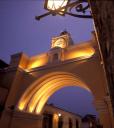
{"x":53,"y":5}
{"x":62,"y":7}
{"x":59,"y":114}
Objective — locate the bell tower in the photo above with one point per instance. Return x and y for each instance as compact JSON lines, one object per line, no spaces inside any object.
{"x":58,"y":46}
{"x":62,"y":41}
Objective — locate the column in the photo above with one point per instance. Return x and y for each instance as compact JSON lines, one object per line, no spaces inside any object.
{"x":73,"y":123}
{"x":55,"y":120}
{"x":104,"y":109}
{"x":65,"y":122}
{"x":108,"y":101}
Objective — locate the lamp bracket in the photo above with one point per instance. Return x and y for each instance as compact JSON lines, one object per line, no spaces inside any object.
{"x":77,"y":8}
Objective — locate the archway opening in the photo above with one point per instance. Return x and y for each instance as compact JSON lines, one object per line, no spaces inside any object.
{"x":36,"y":96}
{"x":74,"y":99}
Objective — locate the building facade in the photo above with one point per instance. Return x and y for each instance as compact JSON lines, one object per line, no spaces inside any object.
{"x":54,"y":117}
{"x":28,"y":82}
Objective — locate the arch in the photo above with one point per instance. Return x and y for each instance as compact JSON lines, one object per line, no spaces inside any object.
{"x":35,"y":97}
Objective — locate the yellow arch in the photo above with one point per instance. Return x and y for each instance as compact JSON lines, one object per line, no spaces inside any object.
{"x":38,"y":93}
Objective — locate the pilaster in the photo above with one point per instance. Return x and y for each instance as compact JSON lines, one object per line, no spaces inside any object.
{"x":103,"y":107}
{"x":65,"y":122}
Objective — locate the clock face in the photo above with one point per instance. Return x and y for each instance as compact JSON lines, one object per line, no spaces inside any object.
{"x":60,"y":43}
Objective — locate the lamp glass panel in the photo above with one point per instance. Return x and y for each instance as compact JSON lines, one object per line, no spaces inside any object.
{"x":56,"y":4}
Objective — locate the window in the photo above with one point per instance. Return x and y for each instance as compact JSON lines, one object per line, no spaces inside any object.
{"x":47,"y":120}
{"x":77,"y":124}
{"x":70,"y":123}
{"x":55,"y":57}
{"x":60,"y":122}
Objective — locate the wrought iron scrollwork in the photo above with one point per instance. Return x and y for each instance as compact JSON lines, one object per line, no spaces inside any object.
{"x":77,"y":8}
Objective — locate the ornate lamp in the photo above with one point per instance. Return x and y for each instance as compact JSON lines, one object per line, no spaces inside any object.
{"x":63,"y":7}
{"x":54,"y":5}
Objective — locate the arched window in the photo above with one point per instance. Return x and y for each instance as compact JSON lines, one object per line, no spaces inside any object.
{"x":55,"y":57}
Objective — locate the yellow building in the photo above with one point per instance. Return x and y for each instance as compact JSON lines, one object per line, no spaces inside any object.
{"x":54,"y":117}
{"x":28,"y":82}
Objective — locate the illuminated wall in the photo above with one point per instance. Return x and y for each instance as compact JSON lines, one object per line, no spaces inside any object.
{"x":38,"y":61}
{"x":79,"y":51}
{"x":35,"y":97}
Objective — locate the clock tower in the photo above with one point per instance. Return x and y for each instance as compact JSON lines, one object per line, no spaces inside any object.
{"x":62,"y":41}
{"x":58,"y":46}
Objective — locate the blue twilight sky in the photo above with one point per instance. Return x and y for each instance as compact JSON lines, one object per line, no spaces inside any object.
{"x":20,"y":32}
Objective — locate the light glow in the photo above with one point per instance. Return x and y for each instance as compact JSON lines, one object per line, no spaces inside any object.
{"x":59,"y":43}
{"x":38,"y":61}
{"x":31,"y":108}
{"x":59,"y":114}
{"x":21,"y":106}
{"x":82,"y":53}
{"x":34,"y":100}
{"x":55,"y":120}
{"x":55,"y":117}
{"x":56,"y":4}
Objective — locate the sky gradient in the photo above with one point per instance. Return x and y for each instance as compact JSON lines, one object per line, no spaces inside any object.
{"x":20,"y":32}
